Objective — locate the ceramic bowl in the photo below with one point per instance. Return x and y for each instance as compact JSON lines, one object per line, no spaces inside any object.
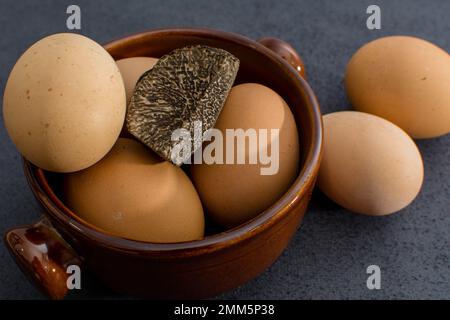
{"x":196,"y":269}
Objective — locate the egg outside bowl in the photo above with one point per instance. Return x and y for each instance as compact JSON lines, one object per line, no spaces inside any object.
{"x":194,"y":269}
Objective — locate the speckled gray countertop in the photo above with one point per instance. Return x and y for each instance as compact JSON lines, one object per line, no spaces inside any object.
{"x":328,"y":256}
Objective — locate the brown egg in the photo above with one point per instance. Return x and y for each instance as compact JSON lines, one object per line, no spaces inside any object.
{"x":64,"y":103}
{"x":405,"y":80}
{"x":133,"y":194}
{"x":132,"y":69}
{"x":369,"y":165}
{"x":233,"y":193}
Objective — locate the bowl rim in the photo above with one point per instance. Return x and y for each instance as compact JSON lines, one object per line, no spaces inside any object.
{"x":298,"y":189}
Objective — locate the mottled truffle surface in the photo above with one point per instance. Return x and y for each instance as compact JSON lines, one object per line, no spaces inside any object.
{"x":186,"y":87}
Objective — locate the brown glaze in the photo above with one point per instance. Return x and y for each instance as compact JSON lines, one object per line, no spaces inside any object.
{"x":43,"y":255}
{"x":286,"y":51}
{"x":220,"y":262}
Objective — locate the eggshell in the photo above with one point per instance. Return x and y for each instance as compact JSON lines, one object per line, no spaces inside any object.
{"x":369,"y":165}
{"x":134,"y":194}
{"x":64,"y":103}
{"x":132,"y":69}
{"x":235,"y":193}
{"x":405,"y":80}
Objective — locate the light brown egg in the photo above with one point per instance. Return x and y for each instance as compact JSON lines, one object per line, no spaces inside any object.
{"x":405,"y":80}
{"x":134,"y":194}
{"x":369,"y":165}
{"x":132,"y":69}
{"x":235,"y":193}
{"x":64,"y":103}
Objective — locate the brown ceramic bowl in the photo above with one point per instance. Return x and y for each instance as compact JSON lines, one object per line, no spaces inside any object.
{"x":195,"y":269}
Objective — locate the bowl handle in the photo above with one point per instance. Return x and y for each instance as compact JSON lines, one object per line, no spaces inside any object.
{"x":43,"y":256}
{"x":286,"y":51}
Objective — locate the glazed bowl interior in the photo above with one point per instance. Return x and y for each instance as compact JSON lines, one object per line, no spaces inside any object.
{"x":257,"y":64}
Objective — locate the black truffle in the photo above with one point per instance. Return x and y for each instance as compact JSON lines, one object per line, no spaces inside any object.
{"x":187,"y":86}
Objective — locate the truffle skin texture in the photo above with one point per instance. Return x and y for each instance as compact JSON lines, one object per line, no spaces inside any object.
{"x":189,"y":84}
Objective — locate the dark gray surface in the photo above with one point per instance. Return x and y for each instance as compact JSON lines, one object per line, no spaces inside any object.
{"x":329,"y":255}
